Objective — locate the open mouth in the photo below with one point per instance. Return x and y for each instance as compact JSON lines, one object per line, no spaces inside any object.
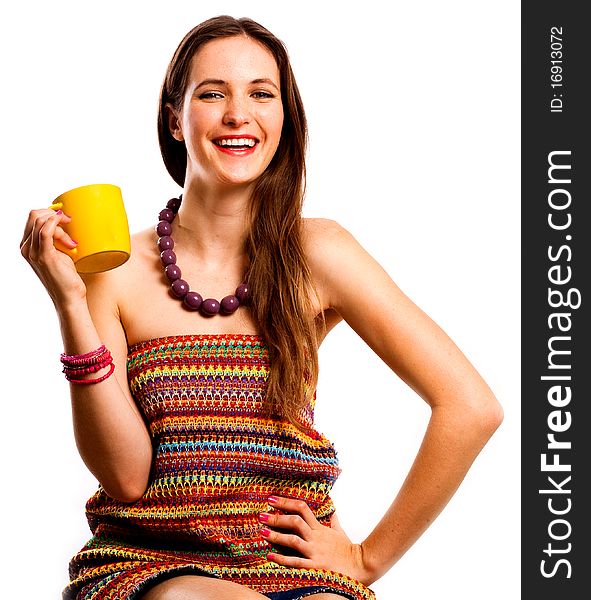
{"x":239,"y":143}
{"x":237,"y":146}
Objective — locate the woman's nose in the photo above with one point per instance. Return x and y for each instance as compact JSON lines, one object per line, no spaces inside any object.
{"x":237,"y":113}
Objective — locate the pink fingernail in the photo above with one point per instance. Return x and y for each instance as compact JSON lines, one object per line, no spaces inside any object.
{"x":265,"y":532}
{"x":59,"y":212}
{"x":273,"y":499}
{"x":74,"y":242}
{"x":264,"y":517}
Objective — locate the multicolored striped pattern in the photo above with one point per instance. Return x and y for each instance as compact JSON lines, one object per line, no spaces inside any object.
{"x":217,"y":460}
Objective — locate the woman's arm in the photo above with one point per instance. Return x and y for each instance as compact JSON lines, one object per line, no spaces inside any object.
{"x":110,"y":434}
{"x":464,"y":411}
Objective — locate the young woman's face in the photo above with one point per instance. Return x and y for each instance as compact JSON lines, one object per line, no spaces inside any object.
{"x":232,"y":113}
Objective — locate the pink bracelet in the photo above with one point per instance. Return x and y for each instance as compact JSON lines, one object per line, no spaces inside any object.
{"x":74,"y":373}
{"x":84,"y":359}
{"x":91,"y":381}
{"x":77,"y":366}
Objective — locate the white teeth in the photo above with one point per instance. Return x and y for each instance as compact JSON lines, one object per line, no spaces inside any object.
{"x":236,"y":142}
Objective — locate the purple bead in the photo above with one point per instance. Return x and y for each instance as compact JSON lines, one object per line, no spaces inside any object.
{"x":166,"y":243}
{"x":193,"y":300}
{"x":172,"y":272}
{"x":180,"y":288}
{"x":210,"y":307}
{"x":163,"y":228}
{"x":166,"y":215}
{"x":229,"y":304}
{"x":168,"y":257}
{"x":242,"y":292}
{"x":174,"y":204}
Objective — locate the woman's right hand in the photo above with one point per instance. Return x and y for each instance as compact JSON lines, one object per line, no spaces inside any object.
{"x":55,"y":268}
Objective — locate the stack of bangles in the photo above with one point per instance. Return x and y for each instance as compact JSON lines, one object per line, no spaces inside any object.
{"x":78,"y":366}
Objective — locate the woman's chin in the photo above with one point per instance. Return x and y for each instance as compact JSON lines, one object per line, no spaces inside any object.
{"x":238,"y":179}
{"x":223,"y":176}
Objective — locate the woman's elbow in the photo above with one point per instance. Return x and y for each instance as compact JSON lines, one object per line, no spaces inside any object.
{"x":126,"y":486}
{"x":486,"y":417}
{"x":127,"y":492}
{"x":125,"y":481}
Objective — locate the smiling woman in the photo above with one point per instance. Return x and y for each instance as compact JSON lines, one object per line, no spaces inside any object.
{"x":230,"y":108}
{"x":214,"y":481}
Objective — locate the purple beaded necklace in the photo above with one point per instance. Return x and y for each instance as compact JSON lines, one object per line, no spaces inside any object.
{"x":179,"y":287}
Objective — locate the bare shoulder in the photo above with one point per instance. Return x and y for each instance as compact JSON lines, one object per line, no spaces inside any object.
{"x":333,"y":254}
{"x":143,"y":247}
{"x":362,"y":293}
{"x":319,"y":237}
{"x":324,"y":241}
{"x":110,"y":288}
{"x":318,"y":231}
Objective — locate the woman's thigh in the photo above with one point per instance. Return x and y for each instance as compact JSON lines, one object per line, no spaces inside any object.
{"x":196,"y":587}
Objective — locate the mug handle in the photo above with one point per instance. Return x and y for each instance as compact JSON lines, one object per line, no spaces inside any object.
{"x":56,"y":206}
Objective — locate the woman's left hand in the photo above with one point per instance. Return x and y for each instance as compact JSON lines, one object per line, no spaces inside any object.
{"x":320,"y":547}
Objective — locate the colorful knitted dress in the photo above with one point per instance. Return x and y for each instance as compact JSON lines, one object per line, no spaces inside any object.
{"x":216,"y":462}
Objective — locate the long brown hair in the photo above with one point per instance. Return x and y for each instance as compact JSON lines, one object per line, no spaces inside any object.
{"x":278,"y":275}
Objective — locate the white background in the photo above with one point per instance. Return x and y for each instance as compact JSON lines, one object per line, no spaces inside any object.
{"x":413,"y":111}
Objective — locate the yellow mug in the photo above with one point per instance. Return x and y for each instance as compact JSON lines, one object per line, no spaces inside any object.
{"x":99,"y":226}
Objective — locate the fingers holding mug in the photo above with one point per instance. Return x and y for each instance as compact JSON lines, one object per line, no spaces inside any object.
{"x":55,"y":268}
{"x":51,"y":232}
{"x":36,"y":220}
{"x":34,"y":216}
{"x":43,"y":227}
{"x":60,"y":235}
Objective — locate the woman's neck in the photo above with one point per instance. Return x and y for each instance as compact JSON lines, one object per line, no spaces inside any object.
{"x":213,"y":222}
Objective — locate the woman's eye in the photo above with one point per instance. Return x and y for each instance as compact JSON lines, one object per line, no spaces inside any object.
{"x":210,"y":96}
{"x":261,"y":94}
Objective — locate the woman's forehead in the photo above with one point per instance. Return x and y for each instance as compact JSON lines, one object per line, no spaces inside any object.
{"x":234,"y":58}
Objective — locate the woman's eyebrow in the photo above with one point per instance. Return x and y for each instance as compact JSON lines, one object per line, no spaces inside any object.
{"x":265,"y":80}
{"x":211,"y":81}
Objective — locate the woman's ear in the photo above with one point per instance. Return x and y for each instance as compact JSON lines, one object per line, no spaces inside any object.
{"x":174,"y":123}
